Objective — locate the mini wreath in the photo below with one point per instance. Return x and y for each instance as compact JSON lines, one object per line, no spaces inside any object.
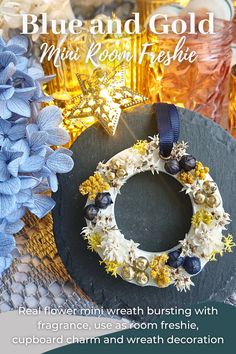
{"x":123,"y":257}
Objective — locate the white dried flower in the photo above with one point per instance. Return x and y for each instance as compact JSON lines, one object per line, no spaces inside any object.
{"x":104,"y":222}
{"x":179,"y":149}
{"x":202,"y":231}
{"x":117,"y":184}
{"x":132,"y":248}
{"x":103,"y":168}
{"x":88,"y":231}
{"x":154,"y":143}
{"x":191,"y":188}
{"x":182,"y":282}
{"x":148,"y":163}
{"x":206,"y":241}
{"x":116,"y":248}
{"x":112,"y":248}
{"x":221,"y":219}
{"x":186,"y":247}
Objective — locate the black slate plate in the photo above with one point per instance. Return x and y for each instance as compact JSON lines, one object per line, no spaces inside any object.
{"x":150,"y":210}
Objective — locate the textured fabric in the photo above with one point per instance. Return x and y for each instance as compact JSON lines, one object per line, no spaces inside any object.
{"x":37,"y":277}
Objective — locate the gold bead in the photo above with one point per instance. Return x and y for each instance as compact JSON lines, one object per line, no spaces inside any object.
{"x":127,"y":272}
{"x":115,"y":164}
{"x":199,"y":197}
{"x":213,"y":201}
{"x":209,"y":187}
{"x":121,"y":173}
{"x":110,"y":176}
{"x":141,"y":278}
{"x":141,"y":263}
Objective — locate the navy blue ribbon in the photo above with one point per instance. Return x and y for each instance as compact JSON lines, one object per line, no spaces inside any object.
{"x":168,"y":126}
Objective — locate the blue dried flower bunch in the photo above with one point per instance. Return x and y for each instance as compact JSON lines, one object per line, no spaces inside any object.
{"x":28,"y":163}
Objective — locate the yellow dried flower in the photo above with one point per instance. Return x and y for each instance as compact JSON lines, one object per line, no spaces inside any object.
{"x":93,"y":185}
{"x":93,"y":241}
{"x":228,"y":243}
{"x":111,"y":267}
{"x":186,"y":177}
{"x":201,"y":171}
{"x":141,"y":146}
{"x":214,"y":254}
{"x":160,"y":272}
{"x":163,"y":279}
{"x":202,"y":216}
{"x":159,"y":261}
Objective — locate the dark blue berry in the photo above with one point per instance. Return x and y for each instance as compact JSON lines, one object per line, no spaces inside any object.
{"x":174,"y":259}
{"x":102,"y":200}
{"x":192,"y":265}
{"x":187,"y":163}
{"x":90,"y":212}
{"x":172,"y":167}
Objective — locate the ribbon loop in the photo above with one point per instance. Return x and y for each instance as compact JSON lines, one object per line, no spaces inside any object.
{"x":168,"y":125}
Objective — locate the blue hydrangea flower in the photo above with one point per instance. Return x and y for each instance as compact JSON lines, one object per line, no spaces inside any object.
{"x":58,"y":161}
{"x":9,"y":164}
{"x":10,"y":132}
{"x":7,"y":244}
{"x":14,"y":50}
{"x":8,"y":191}
{"x":29,"y":198}
{"x":5,"y":262}
{"x":48,"y":123}
{"x":35,"y":71}
{"x":21,"y":79}
{"x":18,"y":191}
{"x":39,"y":205}
{"x":13,"y":223}
{"x":28,"y":164}
{"x":17,"y":45}
{"x":16,"y":91}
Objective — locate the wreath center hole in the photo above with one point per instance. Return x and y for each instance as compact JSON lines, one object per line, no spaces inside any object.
{"x":152,"y":211}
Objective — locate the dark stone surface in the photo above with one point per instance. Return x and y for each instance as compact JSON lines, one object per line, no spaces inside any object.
{"x":150,"y":210}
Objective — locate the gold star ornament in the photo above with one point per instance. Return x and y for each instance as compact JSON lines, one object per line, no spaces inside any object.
{"x":104,"y":96}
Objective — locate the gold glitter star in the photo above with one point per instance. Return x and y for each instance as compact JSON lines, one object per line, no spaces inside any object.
{"x":104,"y":96}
